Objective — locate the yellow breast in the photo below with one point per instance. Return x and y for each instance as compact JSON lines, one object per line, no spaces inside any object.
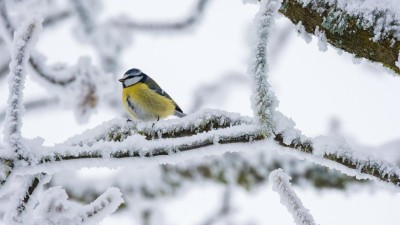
{"x":147,"y":104}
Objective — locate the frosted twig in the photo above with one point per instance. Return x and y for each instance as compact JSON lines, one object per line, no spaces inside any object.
{"x":45,"y":73}
{"x":55,"y":18}
{"x":281,"y":185}
{"x":107,"y":41}
{"x":6,"y":24}
{"x":193,"y":18}
{"x":84,"y":16}
{"x":54,"y":208}
{"x":24,"y":39}
{"x":264,"y":102}
{"x":104,"y":205}
{"x":22,"y":204}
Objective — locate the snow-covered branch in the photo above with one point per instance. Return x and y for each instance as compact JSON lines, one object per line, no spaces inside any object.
{"x":22,"y":205}
{"x":202,"y":121}
{"x":53,"y":207}
{"x":105,"y":149}
{"x":264,"y":102}
{"x":104,"y":205}
{"x":24,"y":39}
{"x":46,"y":74}
{"x":281,"y":185}
{"x":368,"y":29}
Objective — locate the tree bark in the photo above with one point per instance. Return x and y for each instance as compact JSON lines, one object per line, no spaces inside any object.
{"x":350,"y":37}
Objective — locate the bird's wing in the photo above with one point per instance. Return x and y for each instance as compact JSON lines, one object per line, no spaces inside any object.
{"x":154,"y":86}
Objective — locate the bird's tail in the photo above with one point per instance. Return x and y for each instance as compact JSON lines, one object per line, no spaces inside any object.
{"x":179,"y":114}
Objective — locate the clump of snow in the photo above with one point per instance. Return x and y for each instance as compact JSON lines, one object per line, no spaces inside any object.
{"x":285,"y":127}
{"x":322,"y":41}
{"x":301,"y":32}
{"x":281,"y":185}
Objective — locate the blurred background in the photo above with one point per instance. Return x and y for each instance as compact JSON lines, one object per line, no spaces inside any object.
{"x":198,"y":52}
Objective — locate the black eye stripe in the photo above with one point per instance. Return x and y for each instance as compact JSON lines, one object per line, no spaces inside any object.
{"x":132,"y":76}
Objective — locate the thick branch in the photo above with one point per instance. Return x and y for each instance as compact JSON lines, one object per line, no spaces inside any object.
{"x":351,"y":32}
{"x":136,"y":147}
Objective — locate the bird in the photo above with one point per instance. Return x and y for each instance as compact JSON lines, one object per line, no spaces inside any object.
{"x":144,"y":99}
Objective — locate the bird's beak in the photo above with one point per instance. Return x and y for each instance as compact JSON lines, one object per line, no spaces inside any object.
{"x":121,"y":80}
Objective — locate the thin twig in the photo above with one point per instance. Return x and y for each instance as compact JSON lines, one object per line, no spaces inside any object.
{"x":281,"y":185}
{"x":191,"y":20}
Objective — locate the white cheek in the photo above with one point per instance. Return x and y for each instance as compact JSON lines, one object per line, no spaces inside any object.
{"x":132,"y":81}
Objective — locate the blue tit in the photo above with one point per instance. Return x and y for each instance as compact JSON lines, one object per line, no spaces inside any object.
{"x":143,"y":99}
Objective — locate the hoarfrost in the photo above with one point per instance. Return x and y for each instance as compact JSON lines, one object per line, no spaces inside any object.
{"x":24,"y":38}
{"x":55,"y":208}
{"x":322,"y":41}
{"x":263,"y":100}
{"x":382,"y":16}
{"x":281,"y":185}
{"x":301,"y":32}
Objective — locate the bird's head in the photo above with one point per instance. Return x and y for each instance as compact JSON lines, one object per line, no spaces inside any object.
{"x":132,"y":77}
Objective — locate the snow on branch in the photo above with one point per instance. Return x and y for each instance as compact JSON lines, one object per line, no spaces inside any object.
{"x":366,"y":28}
{"x":141,"y":146}
{"x":117,"y":130}
{"x":281,"y":185}
{"x":104,"y":205}
{"x":24,"y":38}
{"x":108,"y":41}
{"x":247,"y":169}
{"x":22,"y":205}
{"x":264,"y":102}
{"x":48,"y":75}
{"x":54,"y":208}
